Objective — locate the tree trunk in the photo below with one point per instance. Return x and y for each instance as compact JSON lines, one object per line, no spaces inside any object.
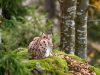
{"x":67,"y":25}
{"x":81,"y":29}
{"x":50,"y":8}
{"x":0,"y":42}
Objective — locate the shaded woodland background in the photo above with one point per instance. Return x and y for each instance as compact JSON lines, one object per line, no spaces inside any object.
{"x":21,"y":20}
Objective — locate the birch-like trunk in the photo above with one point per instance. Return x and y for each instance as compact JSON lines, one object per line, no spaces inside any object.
{"x":67,"y":25}
{"x":81,"y":28}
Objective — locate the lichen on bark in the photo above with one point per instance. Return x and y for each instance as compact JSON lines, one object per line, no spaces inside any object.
{"x":67,"y":25}
{"x":81,"y":28}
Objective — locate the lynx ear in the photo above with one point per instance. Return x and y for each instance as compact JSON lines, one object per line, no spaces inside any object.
{"x":49,"y":35}
{"x":43,"y":35}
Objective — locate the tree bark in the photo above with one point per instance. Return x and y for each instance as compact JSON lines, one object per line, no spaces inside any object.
{"x":50,"y":8}
{"x":67,"y":25}
{"x":81,"y":28}
{"x":0,"y":42}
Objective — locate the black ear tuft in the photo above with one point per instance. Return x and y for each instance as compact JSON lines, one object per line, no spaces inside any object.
{"x":44,"y":35}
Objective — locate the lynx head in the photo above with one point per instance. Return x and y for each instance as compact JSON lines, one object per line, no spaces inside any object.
{"x":48,"y":37}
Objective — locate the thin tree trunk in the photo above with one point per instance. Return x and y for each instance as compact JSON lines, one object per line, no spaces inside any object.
{"x":81,"y":29}
{"x":62,"y":22}
{"x":67,"y":25}
{"x":0,"y":37}
{"x":50,"y":8}
{"x":0,"y":42}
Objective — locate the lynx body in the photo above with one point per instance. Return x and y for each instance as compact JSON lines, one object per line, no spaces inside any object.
{"x":41,"y":47}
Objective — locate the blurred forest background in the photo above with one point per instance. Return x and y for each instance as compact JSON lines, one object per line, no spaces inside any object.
{"x":21,"y":20}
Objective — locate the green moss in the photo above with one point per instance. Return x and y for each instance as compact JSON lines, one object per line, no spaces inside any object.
{"x":52,"y":65}
{"x":58,"y":52}
{"x":76,"y":58}
{"x":22,"y":54}
{"x":96,"y":70}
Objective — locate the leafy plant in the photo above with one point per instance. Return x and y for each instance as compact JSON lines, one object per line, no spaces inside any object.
{"x":12,"y":8}
{"x":16,"y":33}
{"x":9,"y":64}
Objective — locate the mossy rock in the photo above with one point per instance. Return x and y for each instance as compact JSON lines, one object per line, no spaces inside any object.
{"x":54,"y":65}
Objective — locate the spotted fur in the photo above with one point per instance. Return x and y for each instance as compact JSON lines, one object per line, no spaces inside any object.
{"x":40,"y":47}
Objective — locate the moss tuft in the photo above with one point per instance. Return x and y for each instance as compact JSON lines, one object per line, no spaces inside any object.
{"x":96,"y":70}
{"x":54,"y":65}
